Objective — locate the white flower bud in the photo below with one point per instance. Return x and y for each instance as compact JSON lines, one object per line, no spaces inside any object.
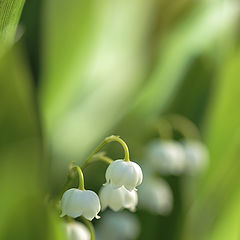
{"x":196,"y":156}
{"x":168,"y":157}
{"x":77,"y":231}
{"x":123,"y":173}
{"x":77,"y":203}
{"x":160,"y":194}
{"x":117,"y":198}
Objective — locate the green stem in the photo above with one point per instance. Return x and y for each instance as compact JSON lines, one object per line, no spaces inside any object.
{"x":90,"y":227}
{"x":164,"y":129}
{"x":101,"y":157}
{"x":80,"y":177}
{"x":105,"y":141}
{"x":184,"y":126}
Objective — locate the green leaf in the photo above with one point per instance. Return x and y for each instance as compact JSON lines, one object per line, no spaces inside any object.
{"x":218,"y":192}
{"x":24,"y":215}
{"x":188,"y":40}
{"x":10,"y":12}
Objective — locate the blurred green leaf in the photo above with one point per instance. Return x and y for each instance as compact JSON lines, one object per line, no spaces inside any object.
{"x":10,"y":11}
{"x":218,"y":191}
{"x":91,"y":70}
{"x":23,"y":212}
{"x":199,"y":28}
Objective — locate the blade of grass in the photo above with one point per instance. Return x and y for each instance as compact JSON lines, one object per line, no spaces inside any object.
{"x":10,"y":12}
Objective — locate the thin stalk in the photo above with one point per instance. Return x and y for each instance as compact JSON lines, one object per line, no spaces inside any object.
{"x":184,"y":126}
{"x":90,"y":227}
{"x":105,"y":141}
{"x":80,"y":177}
{"x":101,"y":157}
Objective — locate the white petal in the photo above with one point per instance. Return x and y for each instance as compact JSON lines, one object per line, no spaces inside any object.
{"x":131,"y":200}
{"x":70,"y":204}
{"x":116,"y":199}
{"x":118,"y":172}
{"x":90,"y":204}
{"x":138,"y":172}
{"x":122,"y":173}
{"x":112,"y":197}
{"x":77,"y":202}
{"x":130,"y":179}
{"x":113,"y":170}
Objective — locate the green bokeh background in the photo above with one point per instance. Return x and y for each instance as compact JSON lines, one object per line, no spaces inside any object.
{"x":77,"y":71}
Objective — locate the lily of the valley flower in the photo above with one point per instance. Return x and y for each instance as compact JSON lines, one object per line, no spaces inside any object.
{"x":76,"y":231}
{"x":77,"y":203}
{"x":124,"y":173}
{"x":168,"y":157}
{"x":155,"y":195}
{"x":117,"y":197}
{"x":196,"y":156}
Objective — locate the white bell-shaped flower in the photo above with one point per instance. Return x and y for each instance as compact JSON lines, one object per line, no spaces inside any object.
{"x":168,"y":157}
{"x":117,"y":198}
{"x":196,"y":156}
{"x":155,"y":195}
{"x":160,"y":193}
{"x":124,"y":173}
{"x":77,"y":231}
{"x":77,"y":203}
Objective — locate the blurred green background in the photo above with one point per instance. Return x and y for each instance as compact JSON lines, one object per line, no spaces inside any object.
{"x":73,"y":72}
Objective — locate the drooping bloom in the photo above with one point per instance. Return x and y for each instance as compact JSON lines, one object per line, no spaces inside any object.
{"x":77,"y":231}
{"x":168,"y":157}
{"x":77,"y":203}
{"x":155,"y":195}
{"x":196,"y":156}
{"x":117,"y":198}
{"x":124,"y":173}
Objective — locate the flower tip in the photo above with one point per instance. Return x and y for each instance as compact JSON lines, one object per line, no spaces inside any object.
{"x":97,"y":217}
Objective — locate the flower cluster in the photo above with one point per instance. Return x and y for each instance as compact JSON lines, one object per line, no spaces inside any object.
{"x":170,"y":157}
{"x":119,"y":191}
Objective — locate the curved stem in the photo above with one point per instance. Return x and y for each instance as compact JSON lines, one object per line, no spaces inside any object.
{"x":184,"y":126}
{"x":90,"y":227}
{"x":124,"y":145}
{"x":80,"y":177}
{"x":105,"y":159}
{"x":164,"y":128}
{"x":101,"y":157}
{"x":105,"y":141}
